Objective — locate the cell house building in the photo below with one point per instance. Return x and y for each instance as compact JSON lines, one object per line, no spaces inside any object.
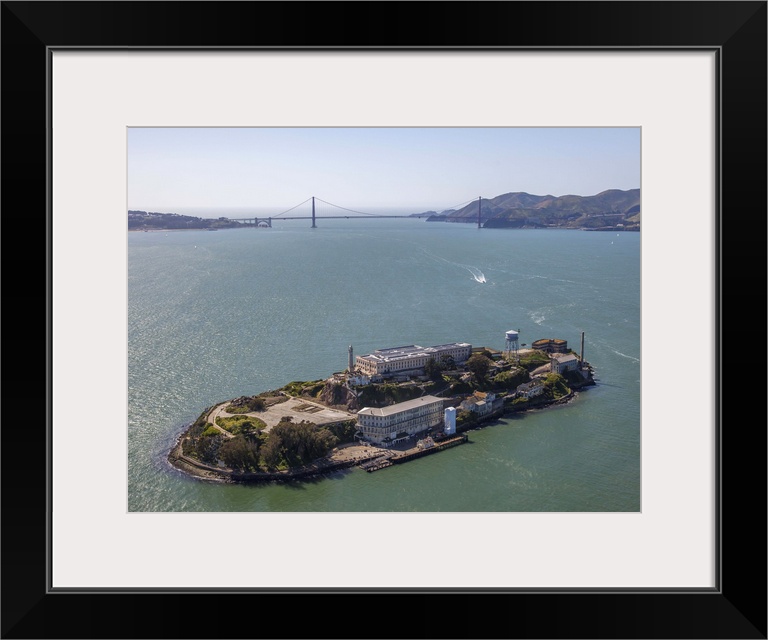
{"x":398,"y":360}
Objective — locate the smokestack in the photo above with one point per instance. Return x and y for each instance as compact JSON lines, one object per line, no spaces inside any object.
{"x":582,"y":348}
{"x":351,"y":363}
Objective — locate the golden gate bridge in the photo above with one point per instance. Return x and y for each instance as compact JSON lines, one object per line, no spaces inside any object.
{"x":263,"y":221}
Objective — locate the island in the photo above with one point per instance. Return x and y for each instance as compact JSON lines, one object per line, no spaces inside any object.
{"x":387,"y":407}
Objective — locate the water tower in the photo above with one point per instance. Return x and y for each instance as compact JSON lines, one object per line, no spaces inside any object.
{"x":449,"y":419}
{"x":511,"y":344}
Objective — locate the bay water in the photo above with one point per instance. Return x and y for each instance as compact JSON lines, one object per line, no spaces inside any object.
{"x":216,"y":315}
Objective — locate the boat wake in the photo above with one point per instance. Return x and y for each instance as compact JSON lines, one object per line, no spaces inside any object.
{"x":624,"y":355}
{"x":478,"y":275}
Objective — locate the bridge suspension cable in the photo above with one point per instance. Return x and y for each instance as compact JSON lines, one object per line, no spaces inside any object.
{"x":292,"y":208}
{"x":461,"y":204}
{"x":345,"y":209}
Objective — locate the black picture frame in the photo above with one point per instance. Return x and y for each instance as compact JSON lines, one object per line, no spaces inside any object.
{"x":736,"y":608}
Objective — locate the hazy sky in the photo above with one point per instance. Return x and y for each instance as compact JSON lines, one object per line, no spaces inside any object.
{"x":199,"y":170}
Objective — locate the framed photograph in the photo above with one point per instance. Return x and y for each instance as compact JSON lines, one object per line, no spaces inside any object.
{"x":572,"y":182}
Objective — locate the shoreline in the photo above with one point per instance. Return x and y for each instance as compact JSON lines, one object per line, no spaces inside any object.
{"x":342,"y":457}
{"x":331,"y":463}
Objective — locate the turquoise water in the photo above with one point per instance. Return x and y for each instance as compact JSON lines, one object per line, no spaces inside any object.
{"x":215,"y":315}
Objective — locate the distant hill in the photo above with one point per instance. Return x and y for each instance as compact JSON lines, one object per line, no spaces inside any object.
{"x":148,"y":221}
{"x":609,"y":209}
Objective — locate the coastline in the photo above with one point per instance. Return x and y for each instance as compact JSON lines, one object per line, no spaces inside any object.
{"x":342,"y":457}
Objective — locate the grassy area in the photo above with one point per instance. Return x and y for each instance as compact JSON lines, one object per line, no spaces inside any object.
{"x":246,"y":404}
{"x":533,"y":359}
{"x":555,"y":386}
{"x":310,"y":388}
{"x":511,"y":379}
{"x":210,"y":430}
{"x":379,"y":395}
{"x":240,"y":424}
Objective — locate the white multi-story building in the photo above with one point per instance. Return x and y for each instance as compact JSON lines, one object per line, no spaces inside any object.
{"x":389,"y":425}
{"x":479,"y":402}
{"x":563,"y":362}
{"x":530,"y":389}
{"x":409,"y":358}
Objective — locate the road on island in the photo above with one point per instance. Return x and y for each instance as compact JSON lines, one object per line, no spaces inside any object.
{"x":296,"y":409}
{"x":215,"y":413}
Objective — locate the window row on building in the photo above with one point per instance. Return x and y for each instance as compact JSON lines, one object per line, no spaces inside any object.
{"x":385,"y":425}
{"x":409,"y":358}
{"x":551,"y":345}
{"x":530,"y":389}
{"x":563,"y":362}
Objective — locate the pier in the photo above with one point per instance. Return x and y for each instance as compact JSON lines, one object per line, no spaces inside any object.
{"x":382,"y":462}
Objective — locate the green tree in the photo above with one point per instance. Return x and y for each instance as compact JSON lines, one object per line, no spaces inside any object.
{"x":555,"y":386}
{"x":207,"y":448}
{"x":272,"y":451}
{"x":302,"y":442}
{"x":433,"y":369}
{"x":479,"y":365}
{"x":240,"y":453}
{"x":512,"y":378}
{"x":465,"y":417}
{"x":447,"y":362}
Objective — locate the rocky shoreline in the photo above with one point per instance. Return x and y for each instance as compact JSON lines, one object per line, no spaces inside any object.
{"x":342,"y":457}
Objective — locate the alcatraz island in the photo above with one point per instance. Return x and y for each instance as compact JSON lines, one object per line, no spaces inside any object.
{"x":386,"y":408}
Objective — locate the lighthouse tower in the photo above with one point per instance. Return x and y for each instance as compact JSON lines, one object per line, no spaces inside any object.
{"x":351,"y":363}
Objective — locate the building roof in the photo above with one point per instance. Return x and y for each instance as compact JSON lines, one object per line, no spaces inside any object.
{"x":564,"y":357}
{"x":400,"y":406}
{"x":393,"y":354}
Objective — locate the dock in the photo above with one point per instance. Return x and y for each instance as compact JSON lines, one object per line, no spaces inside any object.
{"x":412,"y":454}
{"x":374,"y":465}
{"x":398,"y":457}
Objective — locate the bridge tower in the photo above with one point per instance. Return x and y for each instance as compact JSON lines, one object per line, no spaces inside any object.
{"x":314,"y":226}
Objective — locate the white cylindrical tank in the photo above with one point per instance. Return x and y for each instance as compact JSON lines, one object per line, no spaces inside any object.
{"x":511,"y":336}
{"x":449,"y":417}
